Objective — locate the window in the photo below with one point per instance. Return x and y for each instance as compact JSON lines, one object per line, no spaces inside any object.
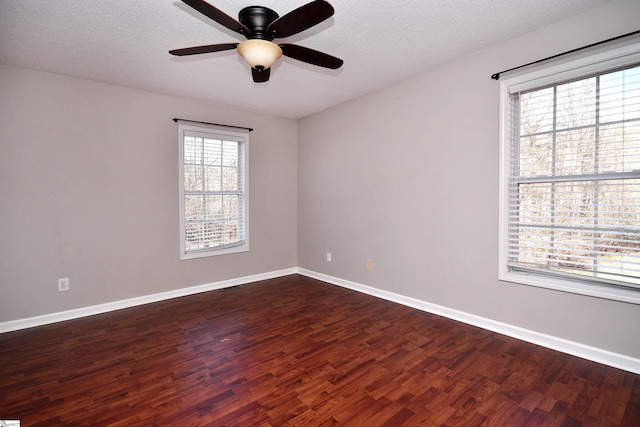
{"x":213,"y":194}
{"x":570,"y":177}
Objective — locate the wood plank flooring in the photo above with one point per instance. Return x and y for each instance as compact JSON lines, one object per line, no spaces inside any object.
{"x":294,"y":351}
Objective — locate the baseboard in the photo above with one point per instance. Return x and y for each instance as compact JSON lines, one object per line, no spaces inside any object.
{"x":606,"y":357}
{"x":594,"y":354}
{"x":46,"y":319}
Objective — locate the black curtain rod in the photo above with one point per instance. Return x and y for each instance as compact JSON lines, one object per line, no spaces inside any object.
{"x":496,"y":76}
{"x":214,"y":124}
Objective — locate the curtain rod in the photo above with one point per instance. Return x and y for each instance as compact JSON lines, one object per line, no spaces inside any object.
{"x":214,"y":124}
{"x":496,"y":76}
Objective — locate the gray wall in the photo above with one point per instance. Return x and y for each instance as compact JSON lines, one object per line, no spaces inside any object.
{"x":408,"y":177}
{"x":89,"y":191}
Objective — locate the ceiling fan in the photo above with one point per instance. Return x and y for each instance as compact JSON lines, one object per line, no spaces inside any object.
{"x":260,"y":25}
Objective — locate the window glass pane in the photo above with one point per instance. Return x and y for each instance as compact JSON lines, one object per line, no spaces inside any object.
{"x":231,"y":232}
{"x":193,"y":236}
{"x":534,"y":205}
{"x":619,"y":209}
{"x":618,"y":243}
{"x":213,"y":178}
{"x":620,"y":95}
{"x":533,"y":238}
{"x":230,"y":153}
{"x":575,"y":152}
{"x":193,"y":178}
{"x":620,"y":147}
{"x":193,"y":208}
{"x":613,"y":266}
{"x":231,"y":204}
{"x":212,"y":207}
{"x":212,"y":151}
{"x":536,"y":111}
{"x":203,"y":207}
{"x":214,"y":232}
{"x":573,"y":204}
{"x":576,"y":104}
{"x":536,"y":155}
{"x":192,"y":150}
{"x":230,"y":179}
{"x":571,"y":251}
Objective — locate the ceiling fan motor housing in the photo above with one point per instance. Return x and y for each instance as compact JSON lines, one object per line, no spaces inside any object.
{"x":257,"y":19}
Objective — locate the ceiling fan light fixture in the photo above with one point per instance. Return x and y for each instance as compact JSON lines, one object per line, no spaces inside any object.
{"x":260,"y":54}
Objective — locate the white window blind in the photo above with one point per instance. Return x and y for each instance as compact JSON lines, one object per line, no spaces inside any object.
{"x":574,"y":179}
{"x":213,"y":192}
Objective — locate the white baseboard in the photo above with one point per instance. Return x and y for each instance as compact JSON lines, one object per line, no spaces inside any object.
{"x":606,"y":357}
{"x":46,"y":319}
{"x":594,"y":354}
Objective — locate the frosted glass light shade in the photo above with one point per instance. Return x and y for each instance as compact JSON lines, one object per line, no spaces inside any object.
{"x":259,"y":53}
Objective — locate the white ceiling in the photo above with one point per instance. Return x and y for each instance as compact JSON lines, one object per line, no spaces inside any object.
{"x":127,"y":42}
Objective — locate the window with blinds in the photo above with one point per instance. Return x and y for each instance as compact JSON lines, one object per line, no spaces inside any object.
{"x":572,"y":192}
{"x":213,"y":195}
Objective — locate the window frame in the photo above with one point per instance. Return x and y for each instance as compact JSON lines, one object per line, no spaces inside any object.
{"x":213,"y":132}
{"x":594,"y":63}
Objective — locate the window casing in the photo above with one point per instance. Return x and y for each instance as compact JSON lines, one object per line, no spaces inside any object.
{"x":213,"y":191}
{"x":570,"y":176}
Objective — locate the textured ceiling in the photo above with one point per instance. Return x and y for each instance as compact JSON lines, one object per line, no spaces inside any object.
{"x":127,"y":42}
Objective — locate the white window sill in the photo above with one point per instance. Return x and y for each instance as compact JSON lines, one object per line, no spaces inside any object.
{"x":575,"y":287}
{"x":214,"y":252}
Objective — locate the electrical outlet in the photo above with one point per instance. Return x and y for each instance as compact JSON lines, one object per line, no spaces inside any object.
{"x":63,"y":284}
{"x":369,"y":265}
{"x":328,"y":256}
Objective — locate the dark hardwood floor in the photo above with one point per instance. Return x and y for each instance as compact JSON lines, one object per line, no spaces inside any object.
{"x":296,"y":351}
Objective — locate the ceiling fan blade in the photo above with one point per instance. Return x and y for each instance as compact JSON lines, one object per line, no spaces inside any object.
{"x":300,"y":19}
{"x":219,"y":16}
{"x":311,"y":56}
{"x":195,"y":50}
{"x":260,"y":76}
